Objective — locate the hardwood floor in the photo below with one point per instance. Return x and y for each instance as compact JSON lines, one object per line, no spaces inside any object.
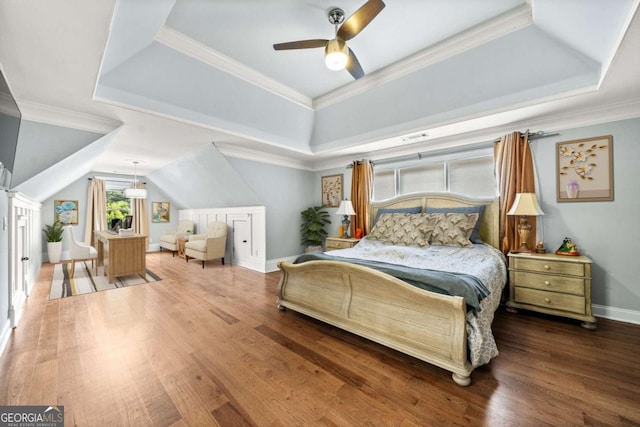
{"x":206,"y":347}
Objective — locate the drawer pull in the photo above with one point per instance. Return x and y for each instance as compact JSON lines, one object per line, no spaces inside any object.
{"x":548,"y":283}
{"x":547,"y":300}
{"x":546,"y":267}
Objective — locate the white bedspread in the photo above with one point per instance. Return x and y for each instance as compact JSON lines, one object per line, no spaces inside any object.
{"x":482,"y":261}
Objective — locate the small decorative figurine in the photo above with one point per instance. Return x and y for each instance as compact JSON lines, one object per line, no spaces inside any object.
{"x":540,"y":248}
{"x":568,"y":248}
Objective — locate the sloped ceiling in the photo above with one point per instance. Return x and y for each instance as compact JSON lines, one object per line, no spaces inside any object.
{"x":175,"y":75}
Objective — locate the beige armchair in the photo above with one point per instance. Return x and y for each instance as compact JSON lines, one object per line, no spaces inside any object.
{"x":208,"y":246}
{"x":80,"y":252}
{"x":169,"y":238}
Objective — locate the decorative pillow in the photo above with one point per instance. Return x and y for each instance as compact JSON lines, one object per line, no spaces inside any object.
{"x":451,"y":229}
{"x":475,"y":234}
{"x":411,"y":210}
{"x":402,"y":229}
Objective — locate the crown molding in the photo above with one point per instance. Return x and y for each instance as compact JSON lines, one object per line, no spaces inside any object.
{"x":41,"y":113}
{"x":231,"y":150}
{"x":513,"y":20}
{"x":552,"y":122}
{"x":198,"y":51}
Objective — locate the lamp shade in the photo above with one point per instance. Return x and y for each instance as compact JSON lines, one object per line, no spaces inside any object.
{"x":346,"y":208}
{"x":135,"y":193}
{"x":526,"y":204}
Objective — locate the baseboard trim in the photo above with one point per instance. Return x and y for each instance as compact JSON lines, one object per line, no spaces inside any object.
{"x":615,"y":313}
{"x":272,"y":264}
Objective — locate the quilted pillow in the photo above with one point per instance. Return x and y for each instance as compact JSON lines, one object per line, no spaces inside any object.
{"x":402,"y":229}
{"x":475,"y":235}
{"x":451,"y":229}
{"x":411,"y":210}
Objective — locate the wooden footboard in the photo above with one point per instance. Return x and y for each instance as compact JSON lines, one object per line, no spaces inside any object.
{"x":379,"y":307}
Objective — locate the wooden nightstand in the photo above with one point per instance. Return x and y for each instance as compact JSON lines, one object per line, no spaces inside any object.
{"x":333,"y":243}
{"x":551,"y":284}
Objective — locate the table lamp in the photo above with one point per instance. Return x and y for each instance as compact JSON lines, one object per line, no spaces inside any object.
{"x":526,"y":204}
{"x":346,"y":209}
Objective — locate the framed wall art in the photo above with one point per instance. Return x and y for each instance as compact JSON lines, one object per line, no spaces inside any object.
{"x":585,"y":169}
{"x":332,"y":190}
{"x":160,"y":211}
{"x":66,"y":211}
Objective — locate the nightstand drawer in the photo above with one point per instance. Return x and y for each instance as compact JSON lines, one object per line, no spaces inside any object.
{"x":338,"y":244}
{"x":550,"y":300}
{"x":548,"y":282}
{"x":554,"y":267}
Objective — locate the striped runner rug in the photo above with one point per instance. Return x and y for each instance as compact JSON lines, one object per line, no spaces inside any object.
{"x":85,"y":281}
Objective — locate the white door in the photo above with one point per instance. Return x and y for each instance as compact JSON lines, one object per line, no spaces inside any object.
{"x":241,"y":229}
{"x":18,"y":279}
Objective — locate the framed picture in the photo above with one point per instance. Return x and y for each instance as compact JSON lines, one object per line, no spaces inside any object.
{"x":331,"y":191}
{"x":160,"y":211}
{"x":585,"y":169}
{"x":66,"y":211}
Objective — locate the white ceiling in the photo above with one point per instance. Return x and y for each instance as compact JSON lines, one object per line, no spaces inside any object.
{"x":174,"y":75}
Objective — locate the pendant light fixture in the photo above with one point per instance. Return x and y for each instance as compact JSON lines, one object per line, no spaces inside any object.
{"x":135,"y":193}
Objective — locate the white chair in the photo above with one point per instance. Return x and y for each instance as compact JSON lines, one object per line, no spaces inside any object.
{"x":208,"y":246}
{"x":80,"y":252}
{"x":169,"y":238}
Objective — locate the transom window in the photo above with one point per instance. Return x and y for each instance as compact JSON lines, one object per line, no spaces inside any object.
{"x":470,"y":174}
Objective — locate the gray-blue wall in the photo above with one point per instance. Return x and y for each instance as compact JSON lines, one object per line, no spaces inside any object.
{"x":606,"y":232}
{"x":285,"y":192}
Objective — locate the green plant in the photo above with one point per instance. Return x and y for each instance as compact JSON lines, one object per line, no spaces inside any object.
{"x":53,"y":232}
{"x":314,"y":220}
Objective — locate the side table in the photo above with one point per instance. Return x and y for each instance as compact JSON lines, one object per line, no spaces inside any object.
{"x":180,"y":243}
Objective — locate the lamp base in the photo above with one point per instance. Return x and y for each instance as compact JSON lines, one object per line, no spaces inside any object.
{"x":524,"y":230}
{"x":345,"y":225}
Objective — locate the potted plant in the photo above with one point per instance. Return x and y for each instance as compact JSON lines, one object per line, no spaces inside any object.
{"x":314,"y":220}
{"x":53,"y":233}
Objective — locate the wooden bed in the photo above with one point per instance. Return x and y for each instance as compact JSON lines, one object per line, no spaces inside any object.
{"x":384,"y":309}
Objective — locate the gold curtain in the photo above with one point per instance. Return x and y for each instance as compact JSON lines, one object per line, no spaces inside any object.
{"x":514,"y":174}
{"x":361,"y":192}
{"x":140,"y":220}
{"x":96,"y":211}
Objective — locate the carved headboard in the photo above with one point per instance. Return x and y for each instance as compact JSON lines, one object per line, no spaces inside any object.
{"x":489,"y":224}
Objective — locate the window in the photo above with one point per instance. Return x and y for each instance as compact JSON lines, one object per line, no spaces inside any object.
{"x":118,"y":206}
{"x":474,"y":177}
{"x":468,"y":173}
{"x":428,"y":177}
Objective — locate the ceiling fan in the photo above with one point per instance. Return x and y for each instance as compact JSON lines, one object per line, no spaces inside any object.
{"x":337,"y":54}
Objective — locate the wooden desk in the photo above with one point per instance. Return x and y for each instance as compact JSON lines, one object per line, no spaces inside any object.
{"x":121,"y":255}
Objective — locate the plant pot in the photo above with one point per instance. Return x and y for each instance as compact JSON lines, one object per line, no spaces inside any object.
{"x":313,"y":248}
{"x":54,"y":251}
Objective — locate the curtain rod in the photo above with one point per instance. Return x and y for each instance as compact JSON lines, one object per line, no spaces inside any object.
{"x":114,"y":179}
{"x":532,"y":136}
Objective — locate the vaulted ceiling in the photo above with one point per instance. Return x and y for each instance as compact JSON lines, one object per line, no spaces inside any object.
{"x":174,"y":75}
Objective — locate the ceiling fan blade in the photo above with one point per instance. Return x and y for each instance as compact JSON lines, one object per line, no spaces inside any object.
{"x":353,"y":66}
{"x":360,"y":19}
{"x":301,"y":44}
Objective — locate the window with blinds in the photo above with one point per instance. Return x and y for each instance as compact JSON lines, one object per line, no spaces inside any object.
{"x":471,"y":175}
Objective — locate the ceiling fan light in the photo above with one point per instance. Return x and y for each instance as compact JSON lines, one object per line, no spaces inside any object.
{"x":336,"y":55}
